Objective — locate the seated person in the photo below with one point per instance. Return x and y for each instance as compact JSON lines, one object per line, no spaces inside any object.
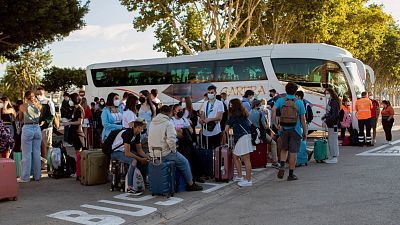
{"x":162,"y":135}
{"x":122,"y":152}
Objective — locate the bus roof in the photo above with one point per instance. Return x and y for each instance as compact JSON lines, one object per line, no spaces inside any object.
{"x":274,"y":51}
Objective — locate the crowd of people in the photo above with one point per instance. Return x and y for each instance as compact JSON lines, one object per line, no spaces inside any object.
{"x":147,"y":125}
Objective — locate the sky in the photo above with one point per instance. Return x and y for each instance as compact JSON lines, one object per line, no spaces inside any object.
{"x":109,"y":36}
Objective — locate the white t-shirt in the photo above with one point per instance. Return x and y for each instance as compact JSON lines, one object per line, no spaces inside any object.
{"x":210,"y":111}
{"x":180,"y":123}
{"x":127,"y":117}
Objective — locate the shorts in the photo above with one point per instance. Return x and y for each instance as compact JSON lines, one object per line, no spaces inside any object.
{"x":47,"y":137}
{"x":373,"y":123}
{"x":290,"y":140}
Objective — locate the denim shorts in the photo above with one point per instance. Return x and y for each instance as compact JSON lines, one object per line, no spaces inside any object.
{"x":373,"y":122}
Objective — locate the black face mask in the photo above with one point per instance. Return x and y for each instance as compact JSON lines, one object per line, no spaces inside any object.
{"x":142,"y":100}
{"x":271,"y":95}
{"x":179,"y":114}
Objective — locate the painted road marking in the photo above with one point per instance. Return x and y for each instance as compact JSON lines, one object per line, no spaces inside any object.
{"x":384,"y":150}
{"x":144,"y":210}
{"x":216,"y":187}
{"x":82,"y":217}
{"x":170,"y":201}
{"x":129,"y":197}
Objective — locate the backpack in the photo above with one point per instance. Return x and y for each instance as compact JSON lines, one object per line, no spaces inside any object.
{"x":46,"y":116}
{"x":6,"y":141}
{"x":59,"y":163}
{"x":289,"y":115}
{"x":346,"y":122}
{"x":309,"y":113}
{"x":106,"y":147}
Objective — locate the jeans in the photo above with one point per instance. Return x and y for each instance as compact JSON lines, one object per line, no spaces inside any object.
{"x":333,"y":142}
{"x":118,"y":155}
{"x":31,"y":139}
{"x":181,"y":163}
{"x":364,"y":124}
{"x":387,"y":127}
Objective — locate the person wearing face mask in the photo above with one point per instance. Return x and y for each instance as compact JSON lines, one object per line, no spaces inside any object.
{"x":274,"y":97}
{"x":78,"y":136}
{"x":331,"y":119}
{"x":46,"y":121}
{"x":111,"y":117}
{"x":363,"y":108}
{"x":66,"y":114}
{"x":8,"y":114}
{"x":247,"y":99}
{"x":345,"y":117}
{"x":210,"y":117}
{"x":374,"y":115}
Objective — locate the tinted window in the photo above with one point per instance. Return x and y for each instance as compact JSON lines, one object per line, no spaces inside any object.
{"x":312,"y":74}
{"x":240,"y":70}
{"x":196,"y":72}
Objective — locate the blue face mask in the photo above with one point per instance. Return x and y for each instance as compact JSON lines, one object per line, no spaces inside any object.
{"x":210,"y":96}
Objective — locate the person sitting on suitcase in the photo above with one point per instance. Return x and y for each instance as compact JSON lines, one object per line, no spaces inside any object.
{"x":184,"y":132}
{"x":292,"y":128}
{"x":123,"y":153}
{"x":162,"y":134}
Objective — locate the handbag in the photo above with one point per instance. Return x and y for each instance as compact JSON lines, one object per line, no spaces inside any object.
{"x":210,"y":126}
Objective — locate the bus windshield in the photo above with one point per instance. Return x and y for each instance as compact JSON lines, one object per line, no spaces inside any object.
{"x":355,"y":78}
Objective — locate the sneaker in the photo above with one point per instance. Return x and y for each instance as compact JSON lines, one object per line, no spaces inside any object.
{"x":19,"y":180}
{"x":390,"y":143}
{"x":332,"y":161}
{"x":245,"y":183}
{"x":238,"y":179}
{"x":135,"y":193}
{"x":276,"y":165}
{"x":292,"y":177}
{"x":281,"y":173}
{"x":194,"y":187}
{"x":200,"y":180}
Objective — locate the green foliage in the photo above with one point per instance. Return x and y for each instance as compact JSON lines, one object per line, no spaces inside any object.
{"x":35,"y":23}
{"x":24,"y":74}
{"x":61,"y":79}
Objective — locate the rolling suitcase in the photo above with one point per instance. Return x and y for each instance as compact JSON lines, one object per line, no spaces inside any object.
{"x":8,"y":179}
{"x":320,"y":149}
{"x":346,"y":141}
{"x":204,"y":164}
{"x":302,"y":155}
{"x":18,"y":157}
{"x":94,"y":167}
{"x":223,"y":163}
{"x":162,"y":177}
{"x":259,"y":157}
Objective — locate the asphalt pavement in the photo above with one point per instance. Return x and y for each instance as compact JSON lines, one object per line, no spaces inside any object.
{"x":360,"y":189}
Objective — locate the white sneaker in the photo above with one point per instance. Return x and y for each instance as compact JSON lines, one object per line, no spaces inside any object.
{"x":332,"y":161}
{"x":245,"y":183}
{"x":390,"y":143}
{"x":19,"y":180}
{"x":238,"y":179}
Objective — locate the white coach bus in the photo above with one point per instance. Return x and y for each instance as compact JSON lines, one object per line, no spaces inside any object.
{"x":312,"y":66}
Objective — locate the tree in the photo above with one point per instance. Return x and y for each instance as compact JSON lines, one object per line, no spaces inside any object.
{"x":24,"y":74}
{"x":33,"y":23}
{"x":61,"y":79}
{"x":189,"y":26}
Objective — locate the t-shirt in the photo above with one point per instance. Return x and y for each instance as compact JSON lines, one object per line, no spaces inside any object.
{"x":246,"y":104}
{"x":125,"y":137}
{"x":255,"y":116}
{"x":127,"y":117}
{"x":180,"y":123}
{"x":210,"y":111}
{"x":300,"y":111}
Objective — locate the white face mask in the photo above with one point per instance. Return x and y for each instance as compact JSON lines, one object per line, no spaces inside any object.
{"x":39,"y":97}
{"x":348,"y":103}
{"x":211,"y":96}
{"x":371,"y":97}
{"x":1,"y":105}
{"x":183,"y":105}
{"x":328,"y":96}
{"x":71,"y":103}
{"x":66,"y":98}
{"x":251,"y":99}
{"x":116,"y":102}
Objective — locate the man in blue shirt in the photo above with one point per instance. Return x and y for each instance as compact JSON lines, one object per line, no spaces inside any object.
{"x":290,"y":136}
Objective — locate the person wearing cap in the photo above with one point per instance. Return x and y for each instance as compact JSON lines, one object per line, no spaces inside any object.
{"x":123,"y":144}
{"x":247,"y":99}
{"x":258,"y":118}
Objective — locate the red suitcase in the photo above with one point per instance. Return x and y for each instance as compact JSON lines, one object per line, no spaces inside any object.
{"x":346,"y":141}
{"x":258,"y":157}
{"x":223,"y":163}
{"x":8,"y":179}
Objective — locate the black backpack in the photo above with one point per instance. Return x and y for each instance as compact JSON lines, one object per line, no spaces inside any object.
{"x":309,"y":112}
{"x":106,"y":147}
